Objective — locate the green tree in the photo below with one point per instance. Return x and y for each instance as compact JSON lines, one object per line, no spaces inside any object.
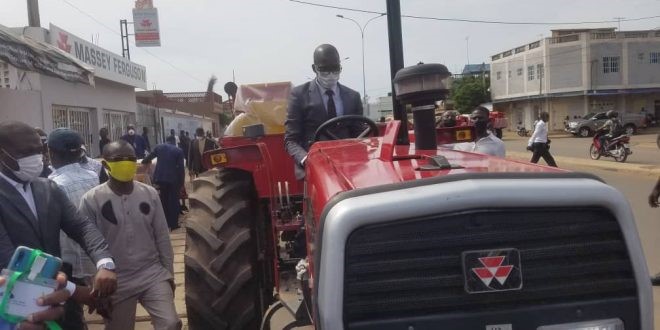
{"x":468,"y":92}
{"x":225,"y":119}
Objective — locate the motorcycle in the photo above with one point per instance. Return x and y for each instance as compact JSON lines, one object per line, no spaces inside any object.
{"x":522,"y":131}
{"x":617,"y":148}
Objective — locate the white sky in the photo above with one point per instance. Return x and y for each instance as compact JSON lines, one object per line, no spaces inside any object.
{"x":273,"y":40}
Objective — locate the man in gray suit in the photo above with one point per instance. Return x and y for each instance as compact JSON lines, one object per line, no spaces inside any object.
{"x":33,"y":210}
{"x":315,"y":102}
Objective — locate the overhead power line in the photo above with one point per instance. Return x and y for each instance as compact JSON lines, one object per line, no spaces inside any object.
{"x":479,"y":21}
{"x":142,"y":49}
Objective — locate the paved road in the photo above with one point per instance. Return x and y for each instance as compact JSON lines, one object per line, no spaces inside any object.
{"x":645,"y":150}
{"x":636,"y":189}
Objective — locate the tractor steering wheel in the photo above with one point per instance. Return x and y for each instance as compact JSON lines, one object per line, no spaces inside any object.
{"x":349,"y":121}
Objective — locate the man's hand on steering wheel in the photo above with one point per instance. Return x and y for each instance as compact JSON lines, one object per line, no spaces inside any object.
{"x":350,"y":121}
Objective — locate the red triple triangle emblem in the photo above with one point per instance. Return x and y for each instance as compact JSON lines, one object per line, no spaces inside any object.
{"x":492,"y":269}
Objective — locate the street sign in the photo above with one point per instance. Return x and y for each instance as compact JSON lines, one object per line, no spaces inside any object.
{"x":147,"y":32}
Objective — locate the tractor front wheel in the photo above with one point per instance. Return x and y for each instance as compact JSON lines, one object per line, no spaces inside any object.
{"x":221,"y":271}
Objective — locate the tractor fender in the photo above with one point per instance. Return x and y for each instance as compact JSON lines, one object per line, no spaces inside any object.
{"x":253,"y":158}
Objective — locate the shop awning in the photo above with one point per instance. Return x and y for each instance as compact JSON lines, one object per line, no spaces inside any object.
{"x":31,"y":55}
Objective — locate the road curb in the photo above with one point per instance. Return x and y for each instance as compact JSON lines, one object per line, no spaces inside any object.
{"x":604,"y":164}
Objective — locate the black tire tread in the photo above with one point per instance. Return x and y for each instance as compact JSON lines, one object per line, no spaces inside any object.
{"x":222,"y":290}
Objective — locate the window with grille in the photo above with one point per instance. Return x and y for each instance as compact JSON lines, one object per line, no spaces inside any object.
{"x":530,"y":72}
{"x":519,"y":71}
{"x":654,"y":57}
{"x":540,"y":71}
{"x":610,"y":64}
{"x":74,"y":118}
{"x":116,"y":122}
{"x":499,"y":75}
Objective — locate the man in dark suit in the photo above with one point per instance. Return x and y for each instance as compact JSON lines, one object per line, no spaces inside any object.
{"x":169,"y":176}
{"x":33,"y":210}
{"x":198,"y":147}
{"x":314,"y":102}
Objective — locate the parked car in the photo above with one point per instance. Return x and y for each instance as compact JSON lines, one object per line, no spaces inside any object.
{"x":589,"y":123}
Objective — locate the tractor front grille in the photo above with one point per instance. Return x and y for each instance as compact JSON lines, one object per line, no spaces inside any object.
{"x":413,"y":267}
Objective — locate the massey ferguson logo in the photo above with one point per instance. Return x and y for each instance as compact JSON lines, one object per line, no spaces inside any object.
{"x":63,"y":42}
{"x":492,"y":270}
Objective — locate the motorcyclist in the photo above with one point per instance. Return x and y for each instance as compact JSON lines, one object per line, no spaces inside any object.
{"x":613,"y":128}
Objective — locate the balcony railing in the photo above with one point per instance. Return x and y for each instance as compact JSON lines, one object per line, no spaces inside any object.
{"x":603,"y":35}
{"x":567,"y":38}
{"x":535,"y":44}
{"x":635,"y":34}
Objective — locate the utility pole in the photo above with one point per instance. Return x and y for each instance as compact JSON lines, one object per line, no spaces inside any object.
{"x":396,"y":63}
{"x":467,"y":49}
{"x":33,"y":13}
{"x":618,"y":19}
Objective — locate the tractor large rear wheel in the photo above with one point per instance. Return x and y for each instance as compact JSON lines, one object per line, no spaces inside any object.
{"x":222,"y":285}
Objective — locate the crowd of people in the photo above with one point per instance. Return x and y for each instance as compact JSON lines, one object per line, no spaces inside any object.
{"x":110,"y":230}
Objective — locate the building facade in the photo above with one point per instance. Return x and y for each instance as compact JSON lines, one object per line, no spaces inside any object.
{"x":187,"y":108}
{"x":575,"y":72}
{"x":475,"y":70}
{"x":383,"y":107}
{"x":45,"y":101}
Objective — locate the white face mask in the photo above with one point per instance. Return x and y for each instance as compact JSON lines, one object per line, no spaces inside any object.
{"x":131,"y":132}
{"x":29,"y":168}
{"x":327,"y":80}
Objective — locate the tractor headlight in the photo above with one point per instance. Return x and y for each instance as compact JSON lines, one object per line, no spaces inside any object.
{"x":610,"y":324}
{"x":572,"y":125}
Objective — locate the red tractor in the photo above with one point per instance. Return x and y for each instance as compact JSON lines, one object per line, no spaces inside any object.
{"x":381,"y":235}
{"x":398,"y":232}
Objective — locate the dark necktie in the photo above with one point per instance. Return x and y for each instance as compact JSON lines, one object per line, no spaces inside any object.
{"x":332,"y":110}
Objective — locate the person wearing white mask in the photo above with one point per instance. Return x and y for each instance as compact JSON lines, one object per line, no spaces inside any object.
{"x":136,"y":141}
{"x":315,"y":102}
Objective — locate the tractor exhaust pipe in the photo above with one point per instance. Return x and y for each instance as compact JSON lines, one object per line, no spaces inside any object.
{"x":424,"y":120}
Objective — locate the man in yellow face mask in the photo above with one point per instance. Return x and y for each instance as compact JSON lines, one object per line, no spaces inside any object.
{"x":130,"y":216}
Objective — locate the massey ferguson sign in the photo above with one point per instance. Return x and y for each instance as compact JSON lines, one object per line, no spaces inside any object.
{"x":107,"y":65}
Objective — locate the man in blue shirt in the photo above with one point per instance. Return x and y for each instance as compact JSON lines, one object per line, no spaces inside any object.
{"x":169,"y":176}
{"x":136,"y":141}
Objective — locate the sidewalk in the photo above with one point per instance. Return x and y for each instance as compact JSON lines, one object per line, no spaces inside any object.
{"x":641,"y":143}
{"x":605,"y":164}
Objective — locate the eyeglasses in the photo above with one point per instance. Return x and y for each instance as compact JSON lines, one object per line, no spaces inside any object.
{"x":121,"y":159}
{"x":328,"y":68}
